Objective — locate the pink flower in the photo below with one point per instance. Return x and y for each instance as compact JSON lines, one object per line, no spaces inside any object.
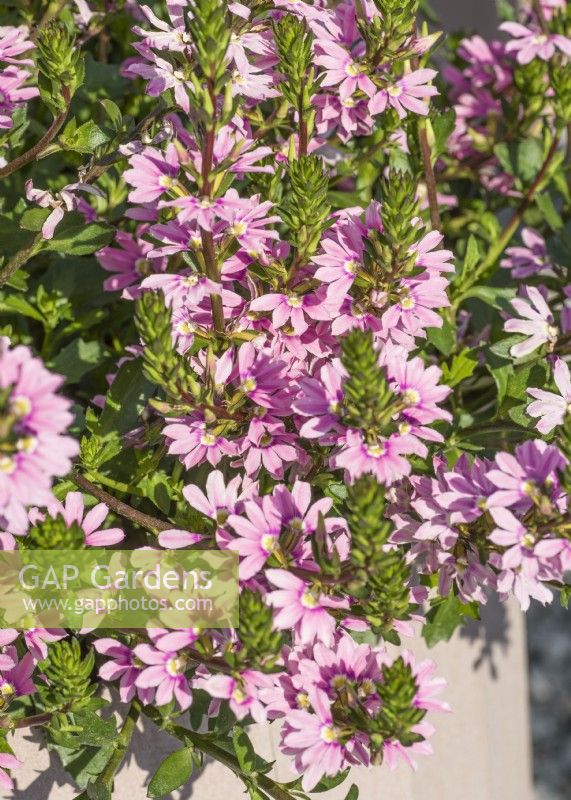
{"x":242,"y":692}
{"x":63,"y":200}
{"x":261,"y":375}
{"x":17,"y":681}
{"x":404,"y":95}
{"x":13,"y":93}
{"x":123,"y":665}
{"x":340,"y":68}
{"x":526,"y":477}
{"x":532,"y":42}
{"x":270,"y":446}
{"x":13,"y":42}
{"x":321,"y":400}
{"x":36,"y":448}
{"x":190,"y":437}
{"x":8,"y":761}
{"x":221,"y":500}
{"x":383,"y":458}
{"x":550,"y":407}
{"x":528,"y":260}
{"x":418,"y":387}
{"x":129,"y":263}
{"x":73,"y":512}
{"x":152,"y":173}
{"x":537,"y":323}
{"x":258,"y":535}
{"x":315,"y":741}
{"x":165,"y":673}
{"x":302,"y":608}
{"x":286,"y":308}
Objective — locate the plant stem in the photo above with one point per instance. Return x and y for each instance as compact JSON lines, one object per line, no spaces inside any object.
{"x":39,"y":147}
{"x":20,"y":258}
{"x":138,"y":517}
{"x":123,"y":742}
{"x":429,"y":178}
{"x":505,"y":238}
{"x":205,"y":744}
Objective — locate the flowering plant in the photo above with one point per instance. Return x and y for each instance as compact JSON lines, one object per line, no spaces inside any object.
{"x":272,"y":283}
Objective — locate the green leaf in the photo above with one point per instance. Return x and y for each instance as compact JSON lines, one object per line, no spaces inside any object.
{"x":98,"y":791}
{"x":550,"y":213}
{"x":327,"y":783}
{"x":442,"y":127}
{"x":471,"y":259}
{"x":444,"y":617}
{"x":503,"y":347}
{"x":462,"y":366}
{"x":244,"y":750}
{"x":125,"y":399}
{"x":74,"y":237}
{"x":523,"y":160}
{"x":113,"y":112}
{"x":84,"y":139}
{"x":15,"y":303}
{"x":495,"y":296}
{"x":95,"y":730}
{"x":353,"y":793}
{"x":34,"y":218}
{"x":443,"y":338}
{"x":565,"y":595}
{"x":77,"y":359}
{"x":172,"y":773}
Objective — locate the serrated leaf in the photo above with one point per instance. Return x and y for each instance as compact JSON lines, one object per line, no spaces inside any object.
{"x":326,"y":783}
{"x":84,"y":139}
{"x":173,"y":772}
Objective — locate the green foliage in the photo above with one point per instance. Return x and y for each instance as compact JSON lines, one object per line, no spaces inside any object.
{"x":61,"y":63}
{"x":445,"y":616}
{"x":162,"y":364}
{"x":69,"y":675}
{"x":261,"y":644}
{"x":397,"y":716}
{"x":369,"y":403}
{"x":379,"y":575}
{"x":172,"y":773}
{"x":305,"y":206}
{"x":55,"y":534}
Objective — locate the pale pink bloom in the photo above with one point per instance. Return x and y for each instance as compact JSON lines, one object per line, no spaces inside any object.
{"x":302,"y":608}
{"x":161,"y":76}
{"x":63,"y":200}
{"x":185,"y":289}
{"x":315,"y":740}
{"x":39,"y":447}
{"x":165,"y":673}
{"x":129,"y":263}
{"x":405,"y":94}
{"x":13,"y":42}
{"x":430,"y":256}
{"x":537,"y":323}
{"x":383,"y":458}
{"x":8,"y":761}
{"x":285,"y":308}
{"x":191,"y":438}
{"x":258,"y":535}
{"x":531,"y":42}
{"x":340,"y":68}
{"x":242,"y":693}
{"x":269,"y":445}
{"x":73,"y":512}
{"x":321,"y":400}
{"x":220,"y":499}
{"x":550,"y":407}
{"x":175,"y":538}
{"x":17,"y":680}
{"x":419,"y":389}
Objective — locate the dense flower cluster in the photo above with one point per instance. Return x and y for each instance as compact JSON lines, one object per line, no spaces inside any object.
{"x":304,"y":375}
